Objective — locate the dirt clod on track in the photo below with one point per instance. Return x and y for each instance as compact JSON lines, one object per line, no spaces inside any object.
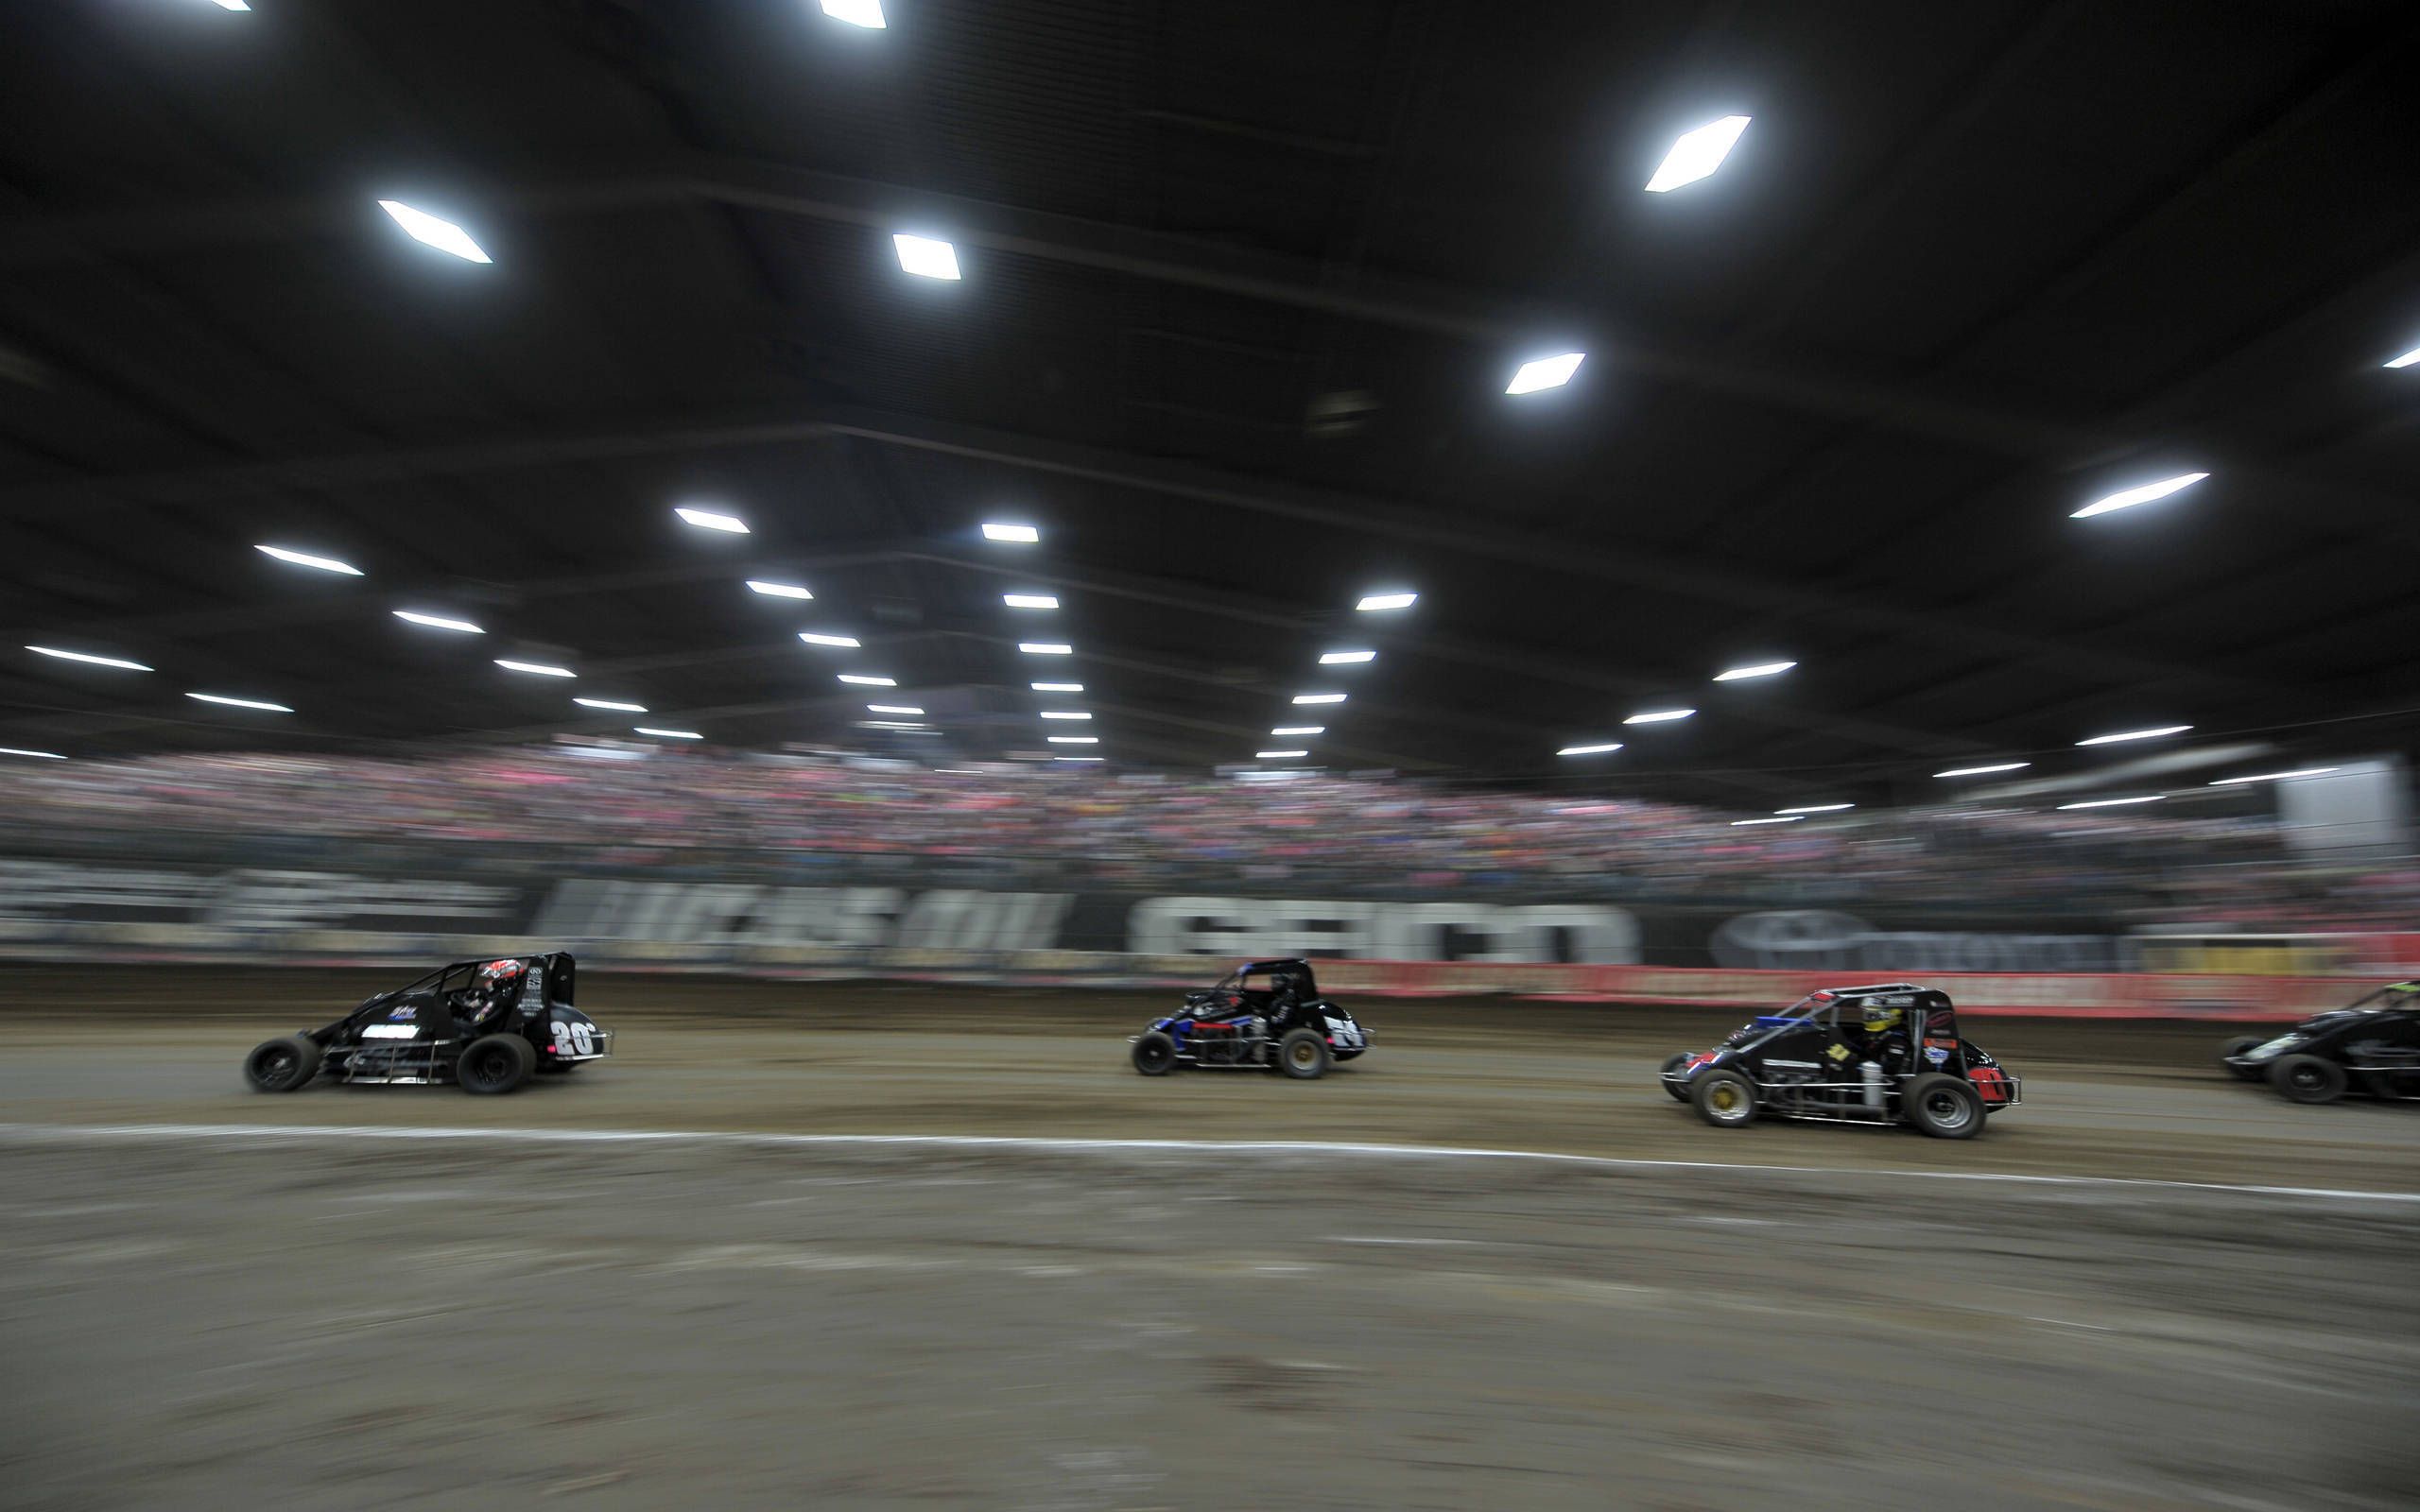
{"x":312,"y":1310}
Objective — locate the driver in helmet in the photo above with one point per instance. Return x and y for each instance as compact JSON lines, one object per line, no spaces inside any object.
{"x":1884,"y":1034}
{"x":493,"y":990}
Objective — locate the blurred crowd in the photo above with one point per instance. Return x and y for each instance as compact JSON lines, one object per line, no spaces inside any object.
{"x":803,"y":818}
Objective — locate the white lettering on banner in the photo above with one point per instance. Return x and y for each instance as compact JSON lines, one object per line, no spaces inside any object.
{"x":967,"y":919}
{"x":42,"y":889}
{"x":1411,"y":932}
{"x":735,"y":914}
{"x":1810,"y":939}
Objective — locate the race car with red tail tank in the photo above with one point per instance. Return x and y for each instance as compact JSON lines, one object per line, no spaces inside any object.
{"x":487,"y":1026}
{"x":1261,"y":1015}
{"x":1885,"y":1054}
{"x":2370,"y":1045}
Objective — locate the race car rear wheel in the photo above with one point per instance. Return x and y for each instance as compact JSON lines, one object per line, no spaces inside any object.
{"x":2307,"y":1078}
{"x":1302,"y":1054}
{"x":1943,"y":1106}
{"x":495,"y":1064}
{"x":1724,"y":1098}
{"x":1681,"y":1092}
{"x":2239,"y":1046}
{"x":1154,"y":1053}
{"x":282,"y":1065}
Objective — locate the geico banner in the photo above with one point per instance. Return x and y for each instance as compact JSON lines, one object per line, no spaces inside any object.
{"x":1354,"y":930}
{"x":738,"y":914}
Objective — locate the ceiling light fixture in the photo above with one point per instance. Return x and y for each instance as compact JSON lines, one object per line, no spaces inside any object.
{"x":2113,"y":803}
{"x":1045,"y":648}
{"x":1318,"y":697}
{"x":1028,"y":601}
{"x":2275,"y":777}
{"x":2145,"y":494}
{"x":1815,"y":808}
{"x":2406,"y":360}
{"x":1979,"y":772}
{"x":1021,"y":535}
{"x":926,"y":257}
{"x":1697,"y":153}
{"x":119,"y":663}
{"x":1299,"y":729}
{"x":892,"y":709}
{"x":1778,"y":818}
{"x":1373,"y":603}
{"x":1065,"y":714}
{"x":866,"y":13}
{"x":1277,"y":755}
{"x":712,"y":520}
{"x":536,"y":669}
{"x":1546,"y":372}
{"x":1762,"y":669}
{"x":1079,"y":758}
{"x":438,"y":621}
{"x":1058,"y":687}
{"x":1073,"y":740}
{"x":609,"y":703}
{"x":37,"y":755}
{"x":668,"y":734}
{"x":1347,"y":658}
{"x":847,"y":642}
{"x":443,"y":235}
{"x":1598,"y":749}
{"x":777,"y":589}
{"x":241,"y":703}
{"x":2136,"y":734}
{"x":1659,"y":716}
{"x":865,"y":680}
{"x":303,"y":559}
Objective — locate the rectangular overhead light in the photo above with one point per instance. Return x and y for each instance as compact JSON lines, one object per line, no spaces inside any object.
{"x":1318,"y":697}
{"x":1372,"y":603}
{"x":712,"y":520}
{"x":231,"y":5}
{"x":2136,"y":734}
{"x":1058,"y":687}
{"x":2406,"y":360}
{"x":1762,"y":669}
{"x":845,"y":642}
{"x":1659,"y":716}
{"x":1065,"y":714}
{"x":443,"y":235}
{"x":1598,"y":749}
{"x":1816,"y":808}
{"x":866,"y":13}
{"x":1028,"y":601}
{"x":1696,"y":154}
{"x":892,"y":709}
{"x":757,"y":584}
{"x":1546,"y":372}
{"x":1073,"y":740}
{"x":303,"y":559}
{"x":668,"y":734}
{"x":1299,"y":729}
{"x":2274,"y":777}
{"x":2113,"y":803}
{"x":119,"y":663}
{"x":998,"y":531}
{"x":926,"y":256}
{"x":2145,"y":494}
{"x":1045,"y":648}
{"x":1079,"y":758}
{"x":438,"y":621}
{"x":1982,"y":771}
{"x":865,"y":680}
{"x":241,"y":703}
{"x":536,"y":669}
{"x":890,"y":724}
{"x":1277,"y":755}
{"x":1347,"y":658}
{"x":1778,"y":818}
{"x":609,"y":703}
{"x":37,"y":755}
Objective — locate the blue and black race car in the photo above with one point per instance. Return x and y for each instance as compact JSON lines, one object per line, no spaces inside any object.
{"x":484,"y":1025}
{"x":1264,"y":1015}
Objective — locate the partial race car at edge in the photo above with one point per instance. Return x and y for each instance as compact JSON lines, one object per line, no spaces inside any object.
{"x":2371,"y":1046}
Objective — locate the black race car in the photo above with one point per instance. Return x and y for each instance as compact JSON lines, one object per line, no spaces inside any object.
{"x":1261,"y":1014}
{"x":1886,"y":1053}
{"x":484,"y":1025}
{"x":2370,"y":1045}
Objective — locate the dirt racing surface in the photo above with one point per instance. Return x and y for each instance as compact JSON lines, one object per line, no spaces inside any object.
{"x":376,"y":1296}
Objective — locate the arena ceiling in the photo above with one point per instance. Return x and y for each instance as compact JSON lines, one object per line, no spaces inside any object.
{"x":1243,"y":285}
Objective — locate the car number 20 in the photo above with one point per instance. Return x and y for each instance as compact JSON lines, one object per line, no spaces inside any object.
{"x":1344,"y":1032}
{"x":574,"y":1039}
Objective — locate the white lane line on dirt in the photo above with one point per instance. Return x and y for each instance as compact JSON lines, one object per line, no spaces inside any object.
{"x":305,"y":1132}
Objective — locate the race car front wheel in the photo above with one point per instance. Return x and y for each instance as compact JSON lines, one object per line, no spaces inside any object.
{"x":495,"y":1063}
{"x":1678,"y":1093}
{"x":1154,"y":1053}
{"x":2307,"y":1078}
{"x":1943,"y":1106}
{"x":282,"y":1065}
{"x":2240,"y":1046}
{"x":1302,"y":1054}
{"x":1724,"y":1098}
